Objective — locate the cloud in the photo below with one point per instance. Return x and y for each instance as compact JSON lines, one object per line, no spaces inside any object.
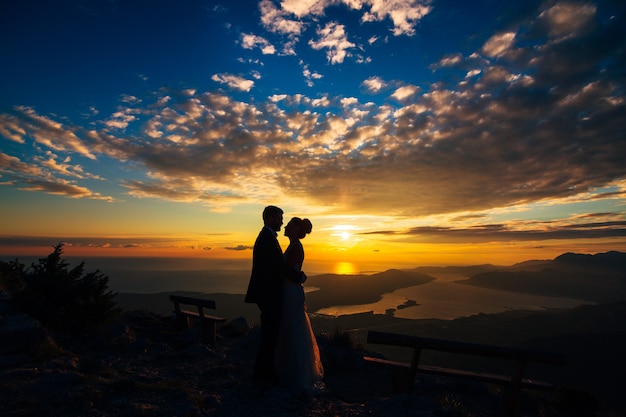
{"x":374,"y":84}
{"x":333,"y":38}
{"x":288,"y":16}
{"x":498,"y":44}
{"x":310,"y":75}
{"x":533,"y":123}
{"x":403,"y":93}
{"x":25,"y":121}
{"x":64,"y":168}
{"x":10,"y":128}
{"x":349,"y":101}
{"x":472,"y":73}
{"x":250,"y":41}
{"x":119,"y":120}
{"x":94,"y":242}
{"x":450,"y":60}
{"x":302,"y":8}
{"x":403,"y":13}
{"x":42,"y":174}
{"x":233,"y":81}
{"x":514,"y":231}
{"x":277,"y":20}
{"x":291,"y":18}
{"x":239,"y":248}
{"x":181,"y":190}
{"x":63,"y":188}
{"x":566,"y":20}
{"x":10,"y":163}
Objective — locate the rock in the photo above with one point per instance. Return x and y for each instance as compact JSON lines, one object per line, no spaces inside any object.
{"x":235,"y":328}
{"x":55,"y":387}
{"x":144,"y":366}
{"x":19,"y":332}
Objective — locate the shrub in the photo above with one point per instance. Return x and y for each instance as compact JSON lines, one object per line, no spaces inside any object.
{"x":341,"y":338}
{"x":61,"y":298}
{"x":12,"y":276}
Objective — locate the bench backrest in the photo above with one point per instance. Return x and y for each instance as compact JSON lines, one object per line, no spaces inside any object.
{"x":503,"y":352}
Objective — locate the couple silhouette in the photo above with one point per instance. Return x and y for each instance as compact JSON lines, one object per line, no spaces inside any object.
{"x":288,"y":355}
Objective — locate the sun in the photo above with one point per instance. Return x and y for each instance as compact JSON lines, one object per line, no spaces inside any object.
{"x":344,"y":234}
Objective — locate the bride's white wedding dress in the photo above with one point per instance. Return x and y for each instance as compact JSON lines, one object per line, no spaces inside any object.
{"x":298,"y":362}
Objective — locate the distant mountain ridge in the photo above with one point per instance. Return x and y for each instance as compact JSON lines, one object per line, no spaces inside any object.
{"x":612,"y":260}
{"x":599,"y":278}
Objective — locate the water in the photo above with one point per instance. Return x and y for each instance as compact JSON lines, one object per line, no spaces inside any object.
{"x":437,"y":299}
{"x":450,"y":300}
{"x":442,"y":299}
{"x":147,"y":282}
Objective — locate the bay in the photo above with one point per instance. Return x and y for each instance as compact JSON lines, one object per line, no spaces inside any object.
{"x":450,"y":300}
{"x":440,"y":299}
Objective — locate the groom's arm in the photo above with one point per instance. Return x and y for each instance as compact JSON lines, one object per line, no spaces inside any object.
{"x":288,"y":272}
{"x":274,"y":256}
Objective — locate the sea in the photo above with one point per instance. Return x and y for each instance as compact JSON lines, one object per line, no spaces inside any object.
{"x":451,"y":300}
{"x":443,"y":298}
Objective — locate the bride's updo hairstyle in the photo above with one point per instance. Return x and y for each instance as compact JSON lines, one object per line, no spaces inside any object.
{"x":305,"y":228}
{"x":298,"y":227}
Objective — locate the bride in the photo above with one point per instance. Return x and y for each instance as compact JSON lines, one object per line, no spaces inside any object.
{"x":298,"y":362}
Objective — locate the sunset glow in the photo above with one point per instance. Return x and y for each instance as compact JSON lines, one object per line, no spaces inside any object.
{"x":404,"y":144}
{"x":345,"y":268}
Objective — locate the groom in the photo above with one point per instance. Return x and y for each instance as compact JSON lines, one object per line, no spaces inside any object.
{"x":269,"y":269}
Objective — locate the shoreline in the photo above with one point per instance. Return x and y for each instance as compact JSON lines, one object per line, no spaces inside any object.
{"x":231,"y":306}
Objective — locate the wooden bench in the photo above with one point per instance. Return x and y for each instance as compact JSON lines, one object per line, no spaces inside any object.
{"x":208,"y":322}
{"x":404,"y":373}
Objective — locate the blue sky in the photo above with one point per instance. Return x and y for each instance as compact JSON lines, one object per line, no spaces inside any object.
{"x":398,"y":122}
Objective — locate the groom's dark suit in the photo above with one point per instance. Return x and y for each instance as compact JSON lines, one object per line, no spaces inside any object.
{"x":269,"y":269}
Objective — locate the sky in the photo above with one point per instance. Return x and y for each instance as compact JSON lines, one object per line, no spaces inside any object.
{"x":410,"y":132}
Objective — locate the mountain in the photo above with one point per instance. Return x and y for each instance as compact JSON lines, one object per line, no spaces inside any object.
{"x":611,"y":261}
{"x":599,"y":278}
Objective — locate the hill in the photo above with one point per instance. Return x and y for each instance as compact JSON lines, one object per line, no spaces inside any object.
{"x":600,"y":277}
{"x":144,"y":365}
{"x":336,"y":290}
{"x":593,"y":338}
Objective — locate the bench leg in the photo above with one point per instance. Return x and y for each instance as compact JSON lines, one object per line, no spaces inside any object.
{"x":512,"y":401}
{"x":513,"y":394}
{"x":402,"y":381}
{"x":182,"y":321}
{"x":210,"y":331}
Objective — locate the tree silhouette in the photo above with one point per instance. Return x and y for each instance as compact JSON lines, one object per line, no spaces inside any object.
{"x":62,"y":298}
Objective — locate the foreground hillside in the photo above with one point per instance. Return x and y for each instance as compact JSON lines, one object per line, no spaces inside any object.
{"x":593,"y":338}
{"x":143,"y":366}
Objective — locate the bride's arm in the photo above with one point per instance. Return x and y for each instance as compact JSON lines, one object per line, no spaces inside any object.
{"x":294,"y":257}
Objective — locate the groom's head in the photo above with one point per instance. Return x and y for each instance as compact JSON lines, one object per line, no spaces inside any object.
{"x":273,"y":217}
